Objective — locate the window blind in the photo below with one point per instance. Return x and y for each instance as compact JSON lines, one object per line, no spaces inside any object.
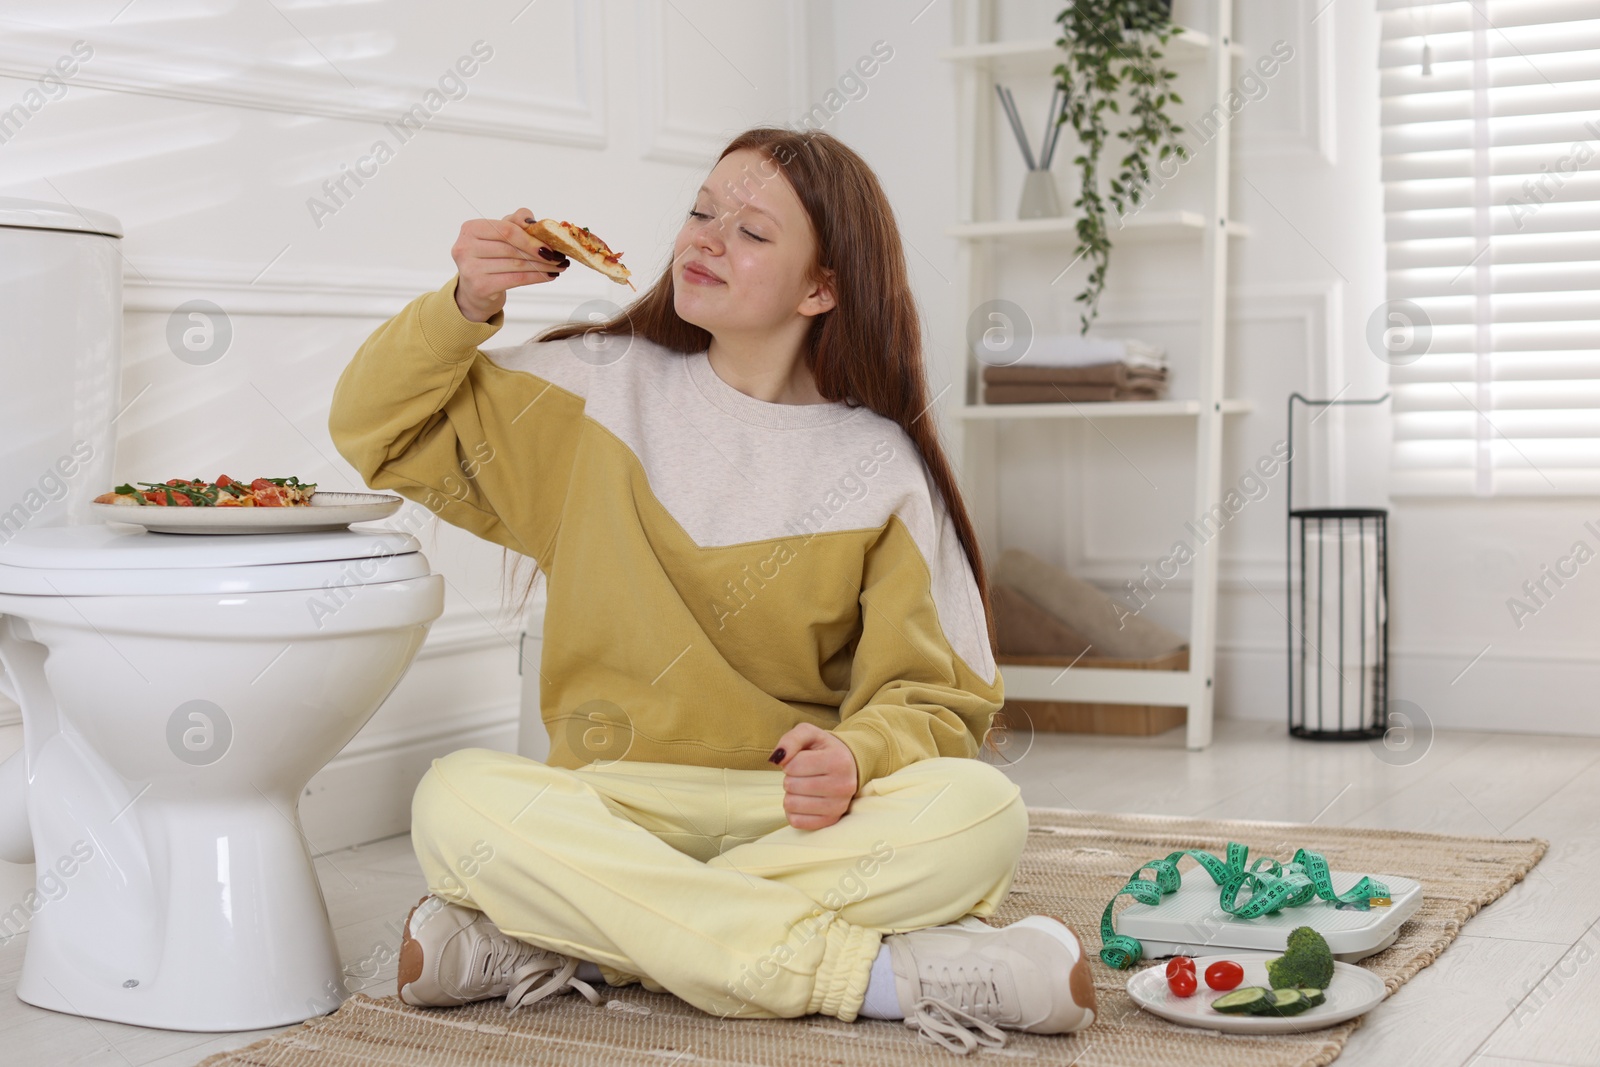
{"x":1491,"y":177}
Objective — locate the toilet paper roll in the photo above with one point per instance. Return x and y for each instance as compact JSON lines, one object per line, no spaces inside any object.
{"x":1344,"y":609}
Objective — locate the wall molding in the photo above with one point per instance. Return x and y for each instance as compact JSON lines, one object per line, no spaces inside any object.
{"x":365,"y":795}
{"x":1499,"y":681}
{"x":489,"y":716}
{"x":159,"y":286}
{"x":1313,"y":307}
{"x":235,"y":78}
{"x":458,"y":632}
{"x":667,"y":141}
{"x":1452,"y":658}
{"x":1316,"y":96}
{"x":1234,"y":575}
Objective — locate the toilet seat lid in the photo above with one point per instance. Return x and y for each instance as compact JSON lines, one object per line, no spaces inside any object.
{"x":113,"y":559}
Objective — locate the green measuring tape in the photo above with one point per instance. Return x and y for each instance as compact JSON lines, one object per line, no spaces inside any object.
{"x":1283,"y":886}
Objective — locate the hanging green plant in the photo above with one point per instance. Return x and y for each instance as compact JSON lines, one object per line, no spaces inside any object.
{"x":1113,"y":49}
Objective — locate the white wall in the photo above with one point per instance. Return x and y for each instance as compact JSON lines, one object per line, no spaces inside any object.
{"x":207,"y":127}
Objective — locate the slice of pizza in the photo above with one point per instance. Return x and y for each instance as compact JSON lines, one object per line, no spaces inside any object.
{"x":581,"y":245}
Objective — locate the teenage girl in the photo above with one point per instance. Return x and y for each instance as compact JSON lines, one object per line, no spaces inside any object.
{"x":768,"y":664}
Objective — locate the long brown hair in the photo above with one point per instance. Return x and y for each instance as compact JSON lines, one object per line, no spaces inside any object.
{"x":867,"y":349}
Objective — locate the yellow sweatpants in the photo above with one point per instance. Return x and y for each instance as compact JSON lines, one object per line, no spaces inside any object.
{"x":690,"y":880}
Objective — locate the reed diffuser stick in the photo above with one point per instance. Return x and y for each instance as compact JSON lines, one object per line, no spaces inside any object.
{"x":1057,"y":113}
{"x":1047,"y":144}
{"x":1010,"y":106}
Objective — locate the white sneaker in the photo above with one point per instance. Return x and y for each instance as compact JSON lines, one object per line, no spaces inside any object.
{"x":969,"y":976}
{"x":454,"y":955}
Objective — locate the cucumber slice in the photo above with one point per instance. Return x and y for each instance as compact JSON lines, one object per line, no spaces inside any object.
{"x":1242,"y":1001}
{"x":1286,"y":1002}
{"x":1314,"y":996}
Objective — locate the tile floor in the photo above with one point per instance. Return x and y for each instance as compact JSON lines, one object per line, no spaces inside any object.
{"x":1519,"y":986}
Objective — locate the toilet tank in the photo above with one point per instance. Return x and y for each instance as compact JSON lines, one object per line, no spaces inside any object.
{"x":60,"y":361}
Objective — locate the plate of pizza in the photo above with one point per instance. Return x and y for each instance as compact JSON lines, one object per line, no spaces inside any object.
{"x":230,"y":506}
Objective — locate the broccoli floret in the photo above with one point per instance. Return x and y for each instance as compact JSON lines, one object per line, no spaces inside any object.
{"x":1302,"y":938}
{"x":1306,"y":961}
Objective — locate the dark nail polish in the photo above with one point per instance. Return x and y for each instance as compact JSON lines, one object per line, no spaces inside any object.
{"x":776,"y":757}
{"x":550,"y":254}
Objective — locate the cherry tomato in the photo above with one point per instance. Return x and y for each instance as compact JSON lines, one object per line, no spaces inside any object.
{"x":269,"y":494}
{"x":1179,"y":963}
{"x":1224,"y":974}
{"x":1183,"y":984}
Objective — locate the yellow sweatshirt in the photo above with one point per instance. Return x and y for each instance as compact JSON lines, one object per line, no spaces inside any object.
{"x":719,"y":568}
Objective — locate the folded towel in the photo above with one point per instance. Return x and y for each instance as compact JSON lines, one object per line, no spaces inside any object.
{"x":1050,"y":393}
{"x":1074,"y":350}
{"x":1110,"y":626}
{"x":1098,"y":374}
{"x":1026,"y":629}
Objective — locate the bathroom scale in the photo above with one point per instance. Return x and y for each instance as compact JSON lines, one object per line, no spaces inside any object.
{"x":1190,"y":921}
{"x":327,"y":511}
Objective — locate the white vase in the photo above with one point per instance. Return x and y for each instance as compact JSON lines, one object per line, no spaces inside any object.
{"x":1039,"y":197}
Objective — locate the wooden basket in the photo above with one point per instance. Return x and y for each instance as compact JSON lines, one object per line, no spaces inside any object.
{"x":1061,"y":716}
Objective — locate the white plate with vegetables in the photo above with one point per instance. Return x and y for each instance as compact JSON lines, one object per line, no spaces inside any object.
{"x":228,"y":506}
{"x":1252,"y":1006}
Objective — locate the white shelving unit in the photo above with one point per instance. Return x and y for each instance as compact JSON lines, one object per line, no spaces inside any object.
{"x":980,"y":61}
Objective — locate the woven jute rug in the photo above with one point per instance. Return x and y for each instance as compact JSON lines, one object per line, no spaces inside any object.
{"x":1074,"y":862}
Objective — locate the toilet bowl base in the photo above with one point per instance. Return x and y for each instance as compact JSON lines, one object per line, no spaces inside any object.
{"x":186,"y":950}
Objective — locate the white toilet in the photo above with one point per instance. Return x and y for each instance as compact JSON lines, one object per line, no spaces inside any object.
{"x":177,"y":691}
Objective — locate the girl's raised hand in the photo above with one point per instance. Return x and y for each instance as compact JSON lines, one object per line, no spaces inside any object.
{"x":494,"y":255}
